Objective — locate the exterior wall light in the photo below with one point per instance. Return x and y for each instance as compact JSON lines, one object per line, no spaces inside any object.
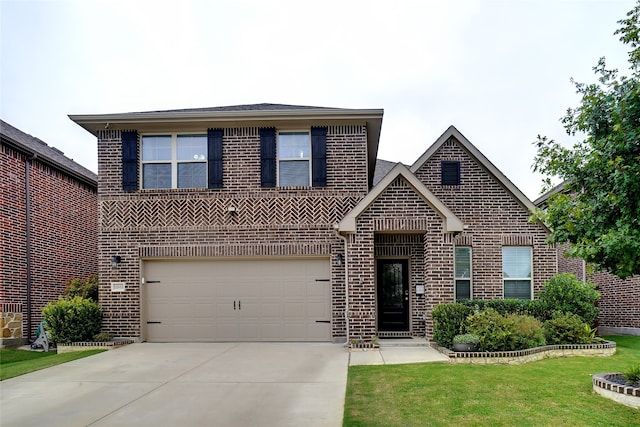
{"x":115,"y":260}
{"x":340,"y":259}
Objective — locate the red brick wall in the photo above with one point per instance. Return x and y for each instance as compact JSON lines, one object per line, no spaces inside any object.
{"x":620,"y":299}
{"x":494,"y":219}
{"x":63,"y":227}
{"x":196,"y":222}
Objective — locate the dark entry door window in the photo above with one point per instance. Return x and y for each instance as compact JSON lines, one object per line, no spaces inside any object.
{"x":393,"y":295}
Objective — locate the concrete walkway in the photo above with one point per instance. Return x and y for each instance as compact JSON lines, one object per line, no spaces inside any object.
{"x":202,"y":384}
{"x":399,"y":351}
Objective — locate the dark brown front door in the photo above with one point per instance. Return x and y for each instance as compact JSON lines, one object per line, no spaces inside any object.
{"x":393,"y":295}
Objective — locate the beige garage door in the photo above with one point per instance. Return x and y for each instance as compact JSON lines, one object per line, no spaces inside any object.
{"x":238,"y":300}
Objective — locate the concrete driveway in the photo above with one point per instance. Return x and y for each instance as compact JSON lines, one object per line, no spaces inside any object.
{"x":201,"y":384}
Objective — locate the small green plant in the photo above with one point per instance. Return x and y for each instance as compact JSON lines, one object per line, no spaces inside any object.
{"x":103,"y":337}
{"x":87,"y":288}
{"x":72,"y":319}
{"x":466,"y":339}
{"x":632,"y":376}
{"x":374,"y":339}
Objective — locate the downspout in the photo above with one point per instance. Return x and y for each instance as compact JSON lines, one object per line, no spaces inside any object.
{"x":27,"y":208}
{"x":346,"y":280}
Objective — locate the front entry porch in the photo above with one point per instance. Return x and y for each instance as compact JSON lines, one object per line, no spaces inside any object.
{"x":399,"y":308}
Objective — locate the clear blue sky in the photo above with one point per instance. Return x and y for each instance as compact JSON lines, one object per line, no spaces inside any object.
{"x":497,"y":70}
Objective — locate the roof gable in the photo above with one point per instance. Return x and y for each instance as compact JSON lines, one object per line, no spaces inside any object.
{"x":45,"y":153}
{"x":451,"y":222}
{"x":480,"y":158}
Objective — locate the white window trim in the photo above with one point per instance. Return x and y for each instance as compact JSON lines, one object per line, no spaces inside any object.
{"x":174,"y":160}
{"x":530,"y":279}
{"x":470,"y":278}
{"x":284,"y":159}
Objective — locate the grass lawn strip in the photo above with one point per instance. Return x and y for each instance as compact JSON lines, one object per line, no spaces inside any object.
{"x":15,"y":362}
{"x":549,"y":392}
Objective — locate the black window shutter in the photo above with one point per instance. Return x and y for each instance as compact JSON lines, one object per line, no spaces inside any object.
{"x":319,"y":156}
{"x":268,"y":157}
{"x":214,"y":154}
{"x":450,"y":173}
{"x":129,"y":160}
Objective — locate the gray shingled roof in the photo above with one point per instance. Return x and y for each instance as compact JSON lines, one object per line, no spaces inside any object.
{"x":246,"y":107}
{"x":45,"y":153}
{"x":382,"y":168}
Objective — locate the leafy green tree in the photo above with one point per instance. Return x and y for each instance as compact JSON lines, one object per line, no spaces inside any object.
{"x":598,"y":209}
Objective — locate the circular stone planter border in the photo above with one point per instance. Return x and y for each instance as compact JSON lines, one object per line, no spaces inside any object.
{"x":625,"y":394}
{"x":608,"y":348}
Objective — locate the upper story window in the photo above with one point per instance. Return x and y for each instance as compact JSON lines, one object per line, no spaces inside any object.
{"x":294,"y":159}
{"x":462,"y":259}
{"x":174,"y":161}
{"x":517,"y":272}
{"x":450,"y":172}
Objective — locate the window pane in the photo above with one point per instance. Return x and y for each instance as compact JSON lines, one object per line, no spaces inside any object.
{"x":192,"y":147}
{"x":294,"y":173}
{"x":192,"y":175}
{"x":156,"y":148}
{"x":156,"y":175}
{"x":516,"y":262}
{"x":463,"y":289}
{"x":463,"y":262}
{"x":520,"y":289}
{"x":293,"y":145}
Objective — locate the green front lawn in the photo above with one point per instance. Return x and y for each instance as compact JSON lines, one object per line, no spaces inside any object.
{"x":552,"y":392}
{"x":15,"y":362}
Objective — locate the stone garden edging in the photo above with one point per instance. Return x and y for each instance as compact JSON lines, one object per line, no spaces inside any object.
{"x":606,"y":386}
{"x":89,"y":345}
{"x":607,"y":348}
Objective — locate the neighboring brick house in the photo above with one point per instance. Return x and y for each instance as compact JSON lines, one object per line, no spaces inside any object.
{"x":48,"y":229}
{"x":620,"y":299}
{"x":262,"y":223}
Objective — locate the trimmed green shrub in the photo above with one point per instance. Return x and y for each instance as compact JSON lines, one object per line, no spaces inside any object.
{"x":502,"y":306}
{"x":87,"y":288}
{"x":564,"y":293}
{"x":567,"y":328}
{"x":506,"y":333}
{"x":448,"y":321}
{"x":527,"y":332}
{"x":492,"y":328}
{"x":72,"y":319}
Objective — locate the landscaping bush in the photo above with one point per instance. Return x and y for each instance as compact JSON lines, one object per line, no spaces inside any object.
{"x":87,"y":288}
{"x":527,"y":332}
{"x":492,"y":328}
{"x":567,"y":328}
{"x":564,"y":293}
{"x":502,"y":306}
{"x":72,"y":319}
{"x":505,"y":333}
{"x":448,"y":321}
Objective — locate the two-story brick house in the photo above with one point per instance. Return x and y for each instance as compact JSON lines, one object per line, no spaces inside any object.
{"x":262,"y":223}
{"x":48,"y":229}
